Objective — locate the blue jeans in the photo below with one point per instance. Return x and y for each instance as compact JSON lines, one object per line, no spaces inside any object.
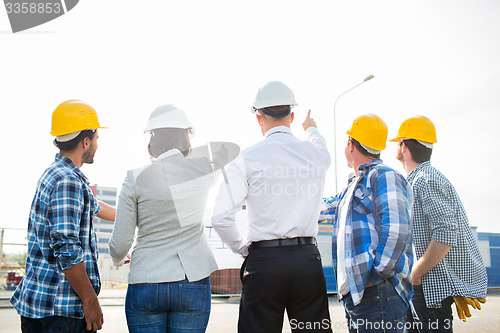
{"x":53,"y":324}
{"x":381,"y":310}
{"x":423,"y":319}
{"x":180,"y":306}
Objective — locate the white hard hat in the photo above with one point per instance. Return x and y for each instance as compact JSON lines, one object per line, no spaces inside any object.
{"x":274,"y":93}
{"x":168,"y":116}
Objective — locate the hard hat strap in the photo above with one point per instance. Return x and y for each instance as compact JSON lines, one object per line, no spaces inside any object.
{"x":426,"y":144}
{"x":67,"y":137}
{"x":370,"y":150}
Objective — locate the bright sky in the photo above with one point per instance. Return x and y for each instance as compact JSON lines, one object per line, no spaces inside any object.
{"x":435,"y":58}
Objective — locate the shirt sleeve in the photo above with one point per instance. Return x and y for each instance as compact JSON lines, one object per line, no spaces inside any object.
{"x":440,"y":206}
{"x":230,"y":198}
{"x":125,"y":222}
{"x":319,"y":141}
{"x":64,"y":216}
{"x":329,"y":208}
{"x":393,"y":197}
{"x":96,"y":206}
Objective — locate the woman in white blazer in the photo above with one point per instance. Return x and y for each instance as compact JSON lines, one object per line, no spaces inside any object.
{"x":160,"y":207}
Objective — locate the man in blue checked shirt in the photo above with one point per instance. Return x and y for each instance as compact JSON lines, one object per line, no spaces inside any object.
{"x":59,"y":290}
{"x":449,"y":266}
{"x":372,"y":234}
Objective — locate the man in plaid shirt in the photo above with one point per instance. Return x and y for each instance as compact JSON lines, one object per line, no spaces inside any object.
{"x":59,"y":290}
{"x":449,"y":265}
{"x":372,"y":234}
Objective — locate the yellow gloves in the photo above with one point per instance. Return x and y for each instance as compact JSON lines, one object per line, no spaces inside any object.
{"x":462,"y":304}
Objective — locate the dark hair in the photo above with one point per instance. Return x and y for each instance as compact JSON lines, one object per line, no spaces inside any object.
{"x":278,"y":111}
{"x":71,"y":144}
{"x":419,"y":152}
{"x":164,"y":139}
{"x":362,"y":150}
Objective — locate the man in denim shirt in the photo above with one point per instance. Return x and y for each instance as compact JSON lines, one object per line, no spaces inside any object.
{"x":59,"y":290}
{"x":372,"y":234}
{"x":448,"y":264}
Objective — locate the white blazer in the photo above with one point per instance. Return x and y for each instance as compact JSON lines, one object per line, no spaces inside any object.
{"x":162,"y":205}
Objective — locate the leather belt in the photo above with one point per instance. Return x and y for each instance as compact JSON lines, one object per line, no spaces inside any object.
{"x":297,"y":241}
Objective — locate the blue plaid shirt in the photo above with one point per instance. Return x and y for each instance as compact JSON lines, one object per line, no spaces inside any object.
{"x":438,"y":214}
{"x":60,"y":235}
{"x":378,"y":230}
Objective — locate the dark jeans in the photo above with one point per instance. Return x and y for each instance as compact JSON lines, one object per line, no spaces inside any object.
{"x":180,"y":306}
{"x":54,"y":324}
{"x":424,"y":319}
{"x":381,"y":310}
{"x":279,"y":278}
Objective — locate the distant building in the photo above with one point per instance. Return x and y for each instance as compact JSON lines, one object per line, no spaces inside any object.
{"x":103,"y":230}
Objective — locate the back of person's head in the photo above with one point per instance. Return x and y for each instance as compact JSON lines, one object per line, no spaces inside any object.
{"x":368,"y":133}
{"x":363,"y":150}
{"x":73,"y":121}
{"x":419,"y":152}
{"x":170,"y":128}
{"x":418,"y":133}
{"x":73,"y":143}
{"x":274,"y":99}
{"x":277,"y":112}
{"x":165,"y":139}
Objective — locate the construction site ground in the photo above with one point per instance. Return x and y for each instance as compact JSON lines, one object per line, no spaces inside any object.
{"x":224,"y":315}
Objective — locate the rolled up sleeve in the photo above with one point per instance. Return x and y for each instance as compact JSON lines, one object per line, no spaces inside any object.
{"x":329,"y":208}
{"x":64,"y":216}
{"x":439,"y":206}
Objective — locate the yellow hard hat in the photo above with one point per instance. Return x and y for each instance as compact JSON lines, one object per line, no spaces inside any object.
{"x":419,"y":128}
{"x":369,"y":130}
{"x":73,"y":116}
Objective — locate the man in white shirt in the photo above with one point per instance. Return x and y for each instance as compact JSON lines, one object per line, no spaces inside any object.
{"x":281,"y":179}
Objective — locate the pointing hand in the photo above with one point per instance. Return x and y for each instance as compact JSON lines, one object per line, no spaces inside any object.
{"x":309,"y":122}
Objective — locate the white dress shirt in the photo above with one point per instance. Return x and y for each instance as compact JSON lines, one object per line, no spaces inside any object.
{"x":281,"y":179}
{"x":343,"y":208}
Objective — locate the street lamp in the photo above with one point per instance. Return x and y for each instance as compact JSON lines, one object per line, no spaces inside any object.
{"x":369,"y":77}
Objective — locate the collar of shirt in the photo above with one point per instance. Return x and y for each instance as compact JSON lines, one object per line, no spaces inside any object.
{"x":367,"y":166}
{"x":362,"y":170}
{"x":413,"y":174}
{"x":169,"y":153}
{"x":70,"y":165}
{"x":278,"y":129}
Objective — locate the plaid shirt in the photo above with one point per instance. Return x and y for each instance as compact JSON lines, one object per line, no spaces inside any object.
{"x":378,"y":230}
{"x":60,"y":235}
{"x":439,"y":214}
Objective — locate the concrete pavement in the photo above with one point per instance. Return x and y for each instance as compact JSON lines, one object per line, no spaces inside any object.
{"x":224,"y":316}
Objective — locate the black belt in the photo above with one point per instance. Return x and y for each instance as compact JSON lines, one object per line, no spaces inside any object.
{"x":284,"y":242}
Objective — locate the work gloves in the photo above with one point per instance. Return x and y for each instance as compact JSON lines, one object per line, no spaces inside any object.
{"x":462,"y":303}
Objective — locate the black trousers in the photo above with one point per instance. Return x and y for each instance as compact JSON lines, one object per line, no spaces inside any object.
{"x":53,"y":324}
{"x":279,"y":278}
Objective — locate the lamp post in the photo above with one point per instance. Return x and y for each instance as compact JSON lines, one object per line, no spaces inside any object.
{"x":369,"y":77}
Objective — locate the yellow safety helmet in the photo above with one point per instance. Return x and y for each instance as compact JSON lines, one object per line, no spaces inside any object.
{"x":369,"y":130}
{"x":73,"y":116}
{"x":419,"y":128}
